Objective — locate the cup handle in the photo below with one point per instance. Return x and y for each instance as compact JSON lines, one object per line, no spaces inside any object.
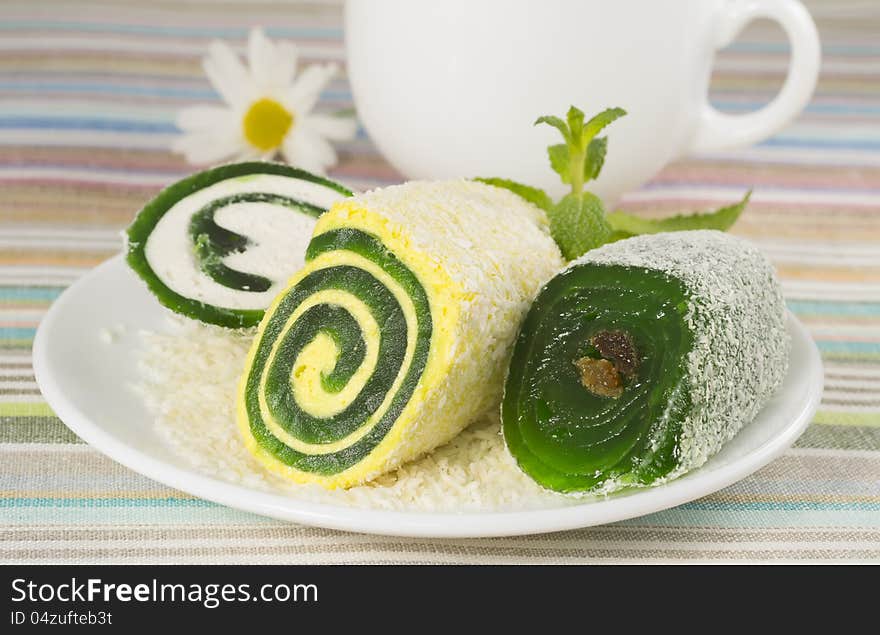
{"x":720,"y":131}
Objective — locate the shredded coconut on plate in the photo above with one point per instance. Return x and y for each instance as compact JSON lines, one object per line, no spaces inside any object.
{"x":189,"y":379}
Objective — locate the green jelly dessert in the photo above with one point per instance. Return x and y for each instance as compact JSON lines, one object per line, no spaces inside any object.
{"x":641,"y":359}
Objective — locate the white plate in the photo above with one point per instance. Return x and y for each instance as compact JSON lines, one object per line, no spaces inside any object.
{"x":86,"y":383}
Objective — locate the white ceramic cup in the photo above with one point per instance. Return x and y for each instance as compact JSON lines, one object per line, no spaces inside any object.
{"x":451,"y":88}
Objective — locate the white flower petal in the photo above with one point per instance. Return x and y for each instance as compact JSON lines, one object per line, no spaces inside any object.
{"x":201,"y":148}
{"x":198,"y":118}
{"x":284,"y":66}
{"x":334,"y":128}
{"x":272,"y":64}
{"x":308,"y":86}
{"x":307,"y":149}
{"x":228,"y":75}
{"x":306,"y":161}
{"x":261,"y":58}
{"x":321,"y":147}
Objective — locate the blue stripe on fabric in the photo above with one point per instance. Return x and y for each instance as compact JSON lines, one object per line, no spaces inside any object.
{"x":839,"y":144}
{"x":139,"y":90}
{"x":169,"y":501}
{"x":102,"y":516}
{"x":699,"y":505}
{"x":111,"y":88}
{"x":837,"y":109}
{"x":683,"y":516}
{"x":170,"y":173}
{"x":763,"y":187}
{"x":829,"y":307}
{"x":336,"y":33}
{"x":343,"y":95}
{"x":86,"y":123}
{"x":38,"y":294}
{"x":16,"y":333}
{"x":170,"y":29}
{"x":848,"y":347}
{"x":784,"y":506}
{"x":100,"y":124}
{"x":783,"y":47}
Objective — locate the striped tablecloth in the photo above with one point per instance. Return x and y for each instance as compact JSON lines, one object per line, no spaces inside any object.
{"x":88,"y":94}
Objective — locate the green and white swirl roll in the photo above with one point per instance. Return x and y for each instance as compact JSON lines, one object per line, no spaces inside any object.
{"x":219,"y":245}
{"x":396,"y":333}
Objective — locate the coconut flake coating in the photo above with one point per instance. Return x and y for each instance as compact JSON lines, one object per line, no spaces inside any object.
{"x":737,"y":315}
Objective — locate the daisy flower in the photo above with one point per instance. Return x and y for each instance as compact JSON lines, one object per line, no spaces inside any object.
{"x":268,"y":110}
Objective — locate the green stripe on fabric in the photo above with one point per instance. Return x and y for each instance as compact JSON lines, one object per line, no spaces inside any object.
{"x":840,"y":437}
{"x":16,"y":344}
{"x":35,"y":430}
{"x":847,"y":418}
{"x":706,"y":504}
{"x":26,"y":409}
{"x":847,"y":356}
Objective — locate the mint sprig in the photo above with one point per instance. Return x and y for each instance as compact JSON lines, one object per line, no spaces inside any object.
{"x":580,"y":158}
{"x":578,"y":221}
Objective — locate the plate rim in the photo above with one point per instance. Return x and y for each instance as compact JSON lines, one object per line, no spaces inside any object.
{"x":421,"y":524}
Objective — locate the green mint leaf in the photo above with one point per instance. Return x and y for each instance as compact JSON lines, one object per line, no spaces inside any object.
{"x":577,"y":224}
{"x":596,"y":152}
{"x":618,"y":235}
{"x":560,"y":158}
{"x":557,"y":123}
{"x":721,"y":219}
{"x":533,"y":195}
{"x":575,"y":119}
{"x":597,"y":124}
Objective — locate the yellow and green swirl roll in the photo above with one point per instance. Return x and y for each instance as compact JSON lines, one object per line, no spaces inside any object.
{"x":396,"y":333}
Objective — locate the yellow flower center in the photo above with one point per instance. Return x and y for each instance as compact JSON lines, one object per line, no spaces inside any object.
{"x":265,"y":124}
